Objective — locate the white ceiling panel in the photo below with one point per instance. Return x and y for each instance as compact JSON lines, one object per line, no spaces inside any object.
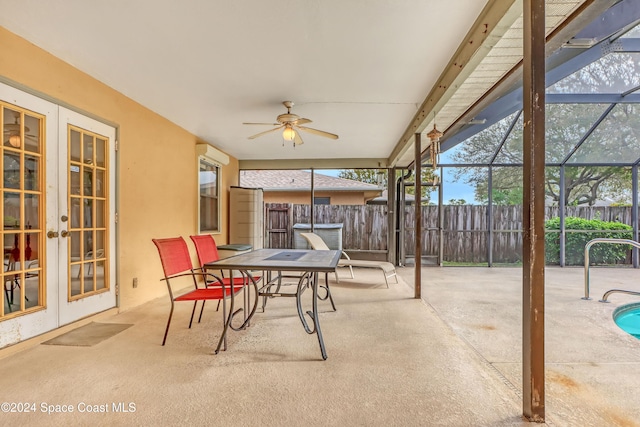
{"x":359,"y":69}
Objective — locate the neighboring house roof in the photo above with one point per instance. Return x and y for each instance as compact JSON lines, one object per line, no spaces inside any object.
{"x":299,"y":180}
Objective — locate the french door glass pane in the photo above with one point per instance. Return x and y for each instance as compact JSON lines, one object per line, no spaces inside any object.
{"x":21,"y":210}
{"x":87,"y":213}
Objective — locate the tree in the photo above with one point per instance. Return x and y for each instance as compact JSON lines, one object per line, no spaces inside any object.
{"x":372,"y":176}
{"x":615,"y":140}
{"x":457,"y":202}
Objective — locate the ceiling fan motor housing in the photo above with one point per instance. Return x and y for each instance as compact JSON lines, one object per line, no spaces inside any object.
{"x":287,"y":118}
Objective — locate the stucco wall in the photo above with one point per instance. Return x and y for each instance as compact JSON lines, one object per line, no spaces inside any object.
{"x":157,"y":163}
{"x":304,"y":197}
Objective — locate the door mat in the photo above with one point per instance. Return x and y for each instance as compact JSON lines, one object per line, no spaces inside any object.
{"x":89,"y":335}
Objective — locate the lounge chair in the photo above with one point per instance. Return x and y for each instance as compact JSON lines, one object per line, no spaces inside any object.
{"x":387,"y":268}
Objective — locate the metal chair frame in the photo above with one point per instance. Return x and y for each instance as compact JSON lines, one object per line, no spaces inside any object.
{"x":176,"y":263}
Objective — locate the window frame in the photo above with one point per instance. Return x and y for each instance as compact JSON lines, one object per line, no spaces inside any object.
{"x":218,"y":169}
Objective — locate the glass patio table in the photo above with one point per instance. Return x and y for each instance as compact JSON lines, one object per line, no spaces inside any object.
{"x":309,"y":262}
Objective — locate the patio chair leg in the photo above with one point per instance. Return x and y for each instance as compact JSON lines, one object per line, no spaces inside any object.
{"x":192,"y":313}
{"x":201,"y":310}
{"x":6,"y":298}
{"x":16,"y":285}
{"x":166,"y":331}
{"x":386,"y":278}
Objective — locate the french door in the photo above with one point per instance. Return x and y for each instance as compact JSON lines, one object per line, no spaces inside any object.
{"x":57,"y":194}
{"x":85,"y":223}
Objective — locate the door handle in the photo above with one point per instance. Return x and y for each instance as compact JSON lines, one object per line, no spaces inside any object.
{"x":64,"y":233}
{"x":52,"y":234}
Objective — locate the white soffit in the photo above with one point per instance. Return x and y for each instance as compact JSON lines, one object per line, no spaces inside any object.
{"x":499,"y":60}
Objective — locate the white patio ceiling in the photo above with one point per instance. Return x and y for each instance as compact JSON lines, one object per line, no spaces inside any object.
{"x":373,"y":72}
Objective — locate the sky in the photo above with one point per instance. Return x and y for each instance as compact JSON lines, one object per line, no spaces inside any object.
{"x":452,"y":190}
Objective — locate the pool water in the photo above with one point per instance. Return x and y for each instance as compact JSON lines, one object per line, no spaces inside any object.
{"x":627,"y":318}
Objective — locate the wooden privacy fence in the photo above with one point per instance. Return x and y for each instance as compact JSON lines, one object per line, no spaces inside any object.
{"x":364,"y":226}
{"x":465,"y":227}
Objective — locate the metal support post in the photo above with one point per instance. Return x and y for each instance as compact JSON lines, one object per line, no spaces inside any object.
{"x":391,"y":216}
{"x":418,"y":205}
{"x":634,"y":212}
{"x":313,"y":203}
{"x":441,"y":219}
{"x":533,"y":211}
{"x":490,"y":218}
{"x":562,"y":212}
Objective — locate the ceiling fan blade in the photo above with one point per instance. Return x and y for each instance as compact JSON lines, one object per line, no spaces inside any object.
{"x":265,"y":124}
{"x":297,"y":140}
{"x":265,"y":132}
{"x":302,"y":121}
{"x":318,"y":132}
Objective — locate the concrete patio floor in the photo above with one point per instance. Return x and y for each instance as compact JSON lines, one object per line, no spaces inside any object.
{"x":592,"y":366}
{"x":451,"y":360}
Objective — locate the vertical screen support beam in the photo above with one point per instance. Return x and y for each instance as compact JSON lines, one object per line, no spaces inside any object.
{"x":392,"y":256}
{"x":402,"y":216}
{"x":441,"y":218}
{"x":490,"y":217}
{"x":418,"y":225}
{"x":533,"y":215}
{"x":313,"y":203}
{"x":634,"y":212}
{"x":562,"y":206}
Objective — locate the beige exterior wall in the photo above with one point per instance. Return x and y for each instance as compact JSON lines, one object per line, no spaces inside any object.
{"x":157,"y":180}
{"x":304,"y":197}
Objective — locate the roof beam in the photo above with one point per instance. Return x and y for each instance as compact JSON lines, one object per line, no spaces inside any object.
{"x":492,"y":23}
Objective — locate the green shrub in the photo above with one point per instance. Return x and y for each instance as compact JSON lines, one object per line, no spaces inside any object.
{"x":600,"y":253}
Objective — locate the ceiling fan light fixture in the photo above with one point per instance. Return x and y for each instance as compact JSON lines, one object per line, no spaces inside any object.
{"x":288,"y":134}
{"x":290,"y":124}
{"x":15,"y":141}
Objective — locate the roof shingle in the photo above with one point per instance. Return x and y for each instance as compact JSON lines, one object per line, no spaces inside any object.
{"x":299,"y":180}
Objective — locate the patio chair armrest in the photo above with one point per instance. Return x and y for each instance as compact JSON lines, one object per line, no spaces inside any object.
{"x":345,"y":255}
{"x":195,"y":274}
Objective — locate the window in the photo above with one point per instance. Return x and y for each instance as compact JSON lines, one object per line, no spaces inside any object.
{"x":209,"y":184}
{"x":322,"y":200}
{"x":210,"y":162}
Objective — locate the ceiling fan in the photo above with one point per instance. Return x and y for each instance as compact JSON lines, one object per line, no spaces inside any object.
{"x":291,"y":125}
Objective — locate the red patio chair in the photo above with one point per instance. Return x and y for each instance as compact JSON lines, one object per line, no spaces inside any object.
{"x":207,"y":251}
{"x":176,"y":262}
